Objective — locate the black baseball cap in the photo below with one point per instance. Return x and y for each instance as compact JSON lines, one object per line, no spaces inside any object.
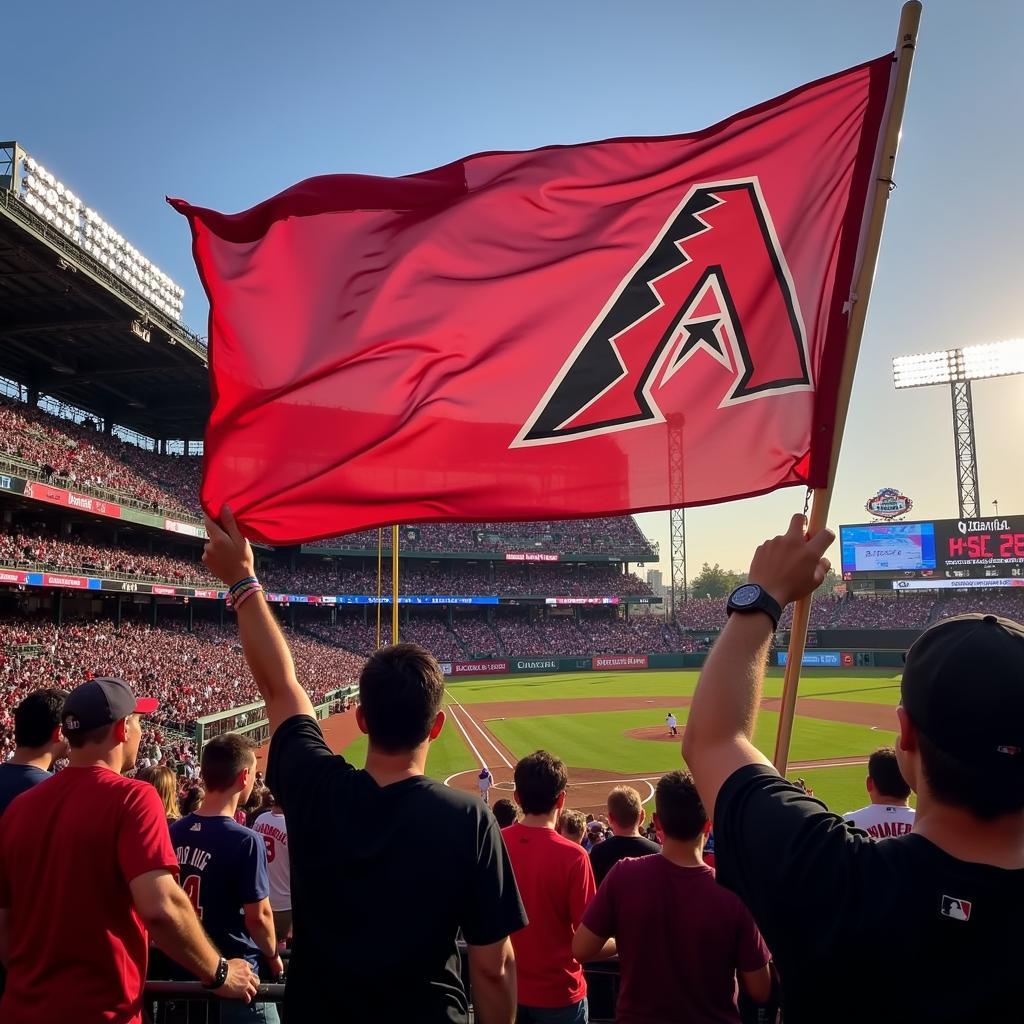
{"x":963,"y":687}
{"x":102,"y":702}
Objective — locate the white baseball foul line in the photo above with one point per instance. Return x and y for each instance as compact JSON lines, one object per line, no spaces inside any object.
{"x":472,"y":745}
{"x":483,"y":732}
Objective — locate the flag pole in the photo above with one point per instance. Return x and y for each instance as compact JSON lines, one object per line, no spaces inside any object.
{"x":394,"y":584}
{"x":906,"y":41}
{"x":380,"y":567}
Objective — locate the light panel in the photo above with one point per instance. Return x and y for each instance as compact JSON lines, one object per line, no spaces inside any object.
{"x":975,"y":362}
{"x":61,"y":208}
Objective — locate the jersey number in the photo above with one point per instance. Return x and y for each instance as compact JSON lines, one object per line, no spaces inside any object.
{"x":268,"y":842}
{"x":191,"y":887}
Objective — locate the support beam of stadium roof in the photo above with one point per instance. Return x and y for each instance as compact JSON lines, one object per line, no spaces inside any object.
{"x":46,"y":324}
{"x":66,"y":331}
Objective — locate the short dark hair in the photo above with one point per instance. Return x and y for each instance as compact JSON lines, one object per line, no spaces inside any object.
{"x":506,"y":813}
{"x":884,"y":772}
{"x":37,"y":717}
{"x":540,"y":779}
{"x":400,"y":693}
{"x":223,"y":758}
{"x":625,"y":806}
{"x":681,"y":815}
{"x":984,"y":794}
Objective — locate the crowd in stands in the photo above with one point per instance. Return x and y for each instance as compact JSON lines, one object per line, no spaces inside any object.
{"x":901,"y":611}
{"x":44,"y":549}
{"x":80,"y":456}
{"x":898,"y":611}
{"x":456,"y":579}
{"x":611,"y":535}
{"x":39,"y":545}
{"x":191,"y":673}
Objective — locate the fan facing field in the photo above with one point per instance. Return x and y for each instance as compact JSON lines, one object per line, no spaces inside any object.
{"x":613,"y":724}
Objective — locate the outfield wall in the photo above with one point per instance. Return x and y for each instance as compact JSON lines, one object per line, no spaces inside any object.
{"x":534,"y":665}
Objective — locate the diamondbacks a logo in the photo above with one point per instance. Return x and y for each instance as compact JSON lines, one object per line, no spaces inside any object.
{"x":713,"y":281}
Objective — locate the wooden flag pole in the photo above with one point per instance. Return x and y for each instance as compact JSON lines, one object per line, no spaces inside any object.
{"x":380,"y":567}
{"x":394,"y":584}
{"x":906,"y":41}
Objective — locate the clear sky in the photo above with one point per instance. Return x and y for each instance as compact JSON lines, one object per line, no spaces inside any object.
{"x":227,"y":103}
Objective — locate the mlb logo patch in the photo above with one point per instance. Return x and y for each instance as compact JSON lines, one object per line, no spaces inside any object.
{"x":958,"y":910}
{"x":196,"y":827}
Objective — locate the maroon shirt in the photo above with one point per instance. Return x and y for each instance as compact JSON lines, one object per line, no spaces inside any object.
{"x":681,"y":938}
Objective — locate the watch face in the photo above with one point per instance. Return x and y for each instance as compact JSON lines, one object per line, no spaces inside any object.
{"x":746,"y":595}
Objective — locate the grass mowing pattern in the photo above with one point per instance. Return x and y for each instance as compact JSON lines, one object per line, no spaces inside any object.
{"x":872,"y":686}
{"x":596,"y":739}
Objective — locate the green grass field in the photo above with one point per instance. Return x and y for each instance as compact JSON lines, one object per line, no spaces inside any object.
{"x":598,"y":740}
{"x":873,"y":686}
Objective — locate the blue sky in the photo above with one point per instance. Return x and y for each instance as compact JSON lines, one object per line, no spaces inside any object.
{"x":227,"y":103}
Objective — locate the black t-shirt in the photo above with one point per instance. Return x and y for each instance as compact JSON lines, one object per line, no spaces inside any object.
{"x":606,"y":855}
{"x":382,"y":881}
{"x":886,"y":930}
{"x":15,"y":779}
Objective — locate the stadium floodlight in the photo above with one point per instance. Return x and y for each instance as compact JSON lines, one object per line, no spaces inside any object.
{"x":976,"y":362}
{"x":58,"y":205}
{"x":957,"y":367}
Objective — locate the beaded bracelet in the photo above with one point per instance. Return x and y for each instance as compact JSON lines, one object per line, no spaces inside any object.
{"x":244,"y":581}
{"x":237,"y":601}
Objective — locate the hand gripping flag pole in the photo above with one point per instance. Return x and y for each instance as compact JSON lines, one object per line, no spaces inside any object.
{"x":906,"y":42}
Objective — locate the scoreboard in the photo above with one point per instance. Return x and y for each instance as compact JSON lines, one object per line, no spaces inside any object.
{"x":938,"y":550}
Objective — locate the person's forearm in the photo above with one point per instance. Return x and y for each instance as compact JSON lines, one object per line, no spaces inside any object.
{"x":261,"y":930}
{"x":494,"y":995}
{"x":265,"y":648}
{"x":729,"y":689}
{"x":179,"y":934}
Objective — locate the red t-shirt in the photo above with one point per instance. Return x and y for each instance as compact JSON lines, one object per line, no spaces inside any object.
{"x":680,"y":937}
{"x":556,"y":883}
{"x":68,"y":849}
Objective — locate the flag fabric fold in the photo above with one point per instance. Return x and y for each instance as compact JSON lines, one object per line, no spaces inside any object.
{"x":610,"y":327}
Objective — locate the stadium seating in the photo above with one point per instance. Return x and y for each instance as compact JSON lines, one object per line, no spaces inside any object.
{"x":192,"y":674}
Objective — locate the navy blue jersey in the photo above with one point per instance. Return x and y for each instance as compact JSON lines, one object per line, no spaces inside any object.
{"x":223,"y":867}
{"x":15,"y":779}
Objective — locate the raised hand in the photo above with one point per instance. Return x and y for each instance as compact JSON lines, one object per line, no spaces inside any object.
{"x":227,"y":553}
{"x":792,"y":565}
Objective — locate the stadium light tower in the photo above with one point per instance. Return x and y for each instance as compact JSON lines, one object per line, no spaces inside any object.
{"x":957,"y":367}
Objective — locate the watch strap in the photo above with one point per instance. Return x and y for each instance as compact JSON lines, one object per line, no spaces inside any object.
{"x":220,"y":975}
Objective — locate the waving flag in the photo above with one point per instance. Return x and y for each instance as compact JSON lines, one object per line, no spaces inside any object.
{"x":578,"y":330}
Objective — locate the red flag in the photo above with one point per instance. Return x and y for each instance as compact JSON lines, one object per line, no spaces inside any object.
{"x":578,"y":330}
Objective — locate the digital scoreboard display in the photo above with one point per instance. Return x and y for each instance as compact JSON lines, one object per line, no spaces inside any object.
{"x":937,"y":549}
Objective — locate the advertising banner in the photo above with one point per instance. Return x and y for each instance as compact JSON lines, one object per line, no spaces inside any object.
{"x":189,"y":529}
{"x":13,"y":576}
{"x":69,"y":499}
{"x":814,"y":659}
{"x":1014,"y":581}
{"x":479,"y":668}
{"x":580,"y":600}
{"x":533,"y":665}
{"x":446,"y":668}
{"x":413,"y":599}
{"x":12,"y":484}
{"x":531,"y":556}
{"x":605,"y":661}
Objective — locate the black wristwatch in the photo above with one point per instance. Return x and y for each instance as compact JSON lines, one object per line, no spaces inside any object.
{"x":752,"y":598}
{"x":220,"y":975}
